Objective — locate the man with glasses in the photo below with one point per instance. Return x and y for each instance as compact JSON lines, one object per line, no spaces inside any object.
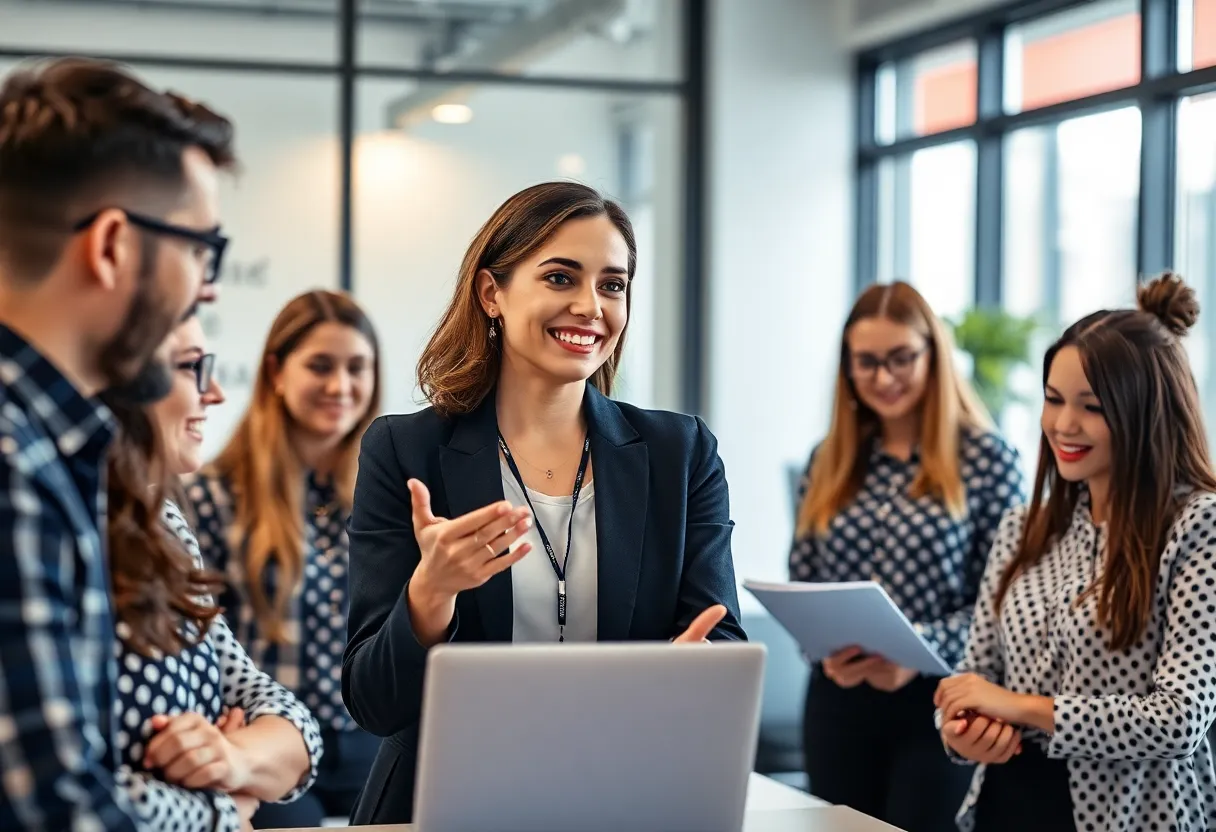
{"x":109,"y":236}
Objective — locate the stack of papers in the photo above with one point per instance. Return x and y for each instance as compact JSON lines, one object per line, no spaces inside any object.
{"x":825,"y":618}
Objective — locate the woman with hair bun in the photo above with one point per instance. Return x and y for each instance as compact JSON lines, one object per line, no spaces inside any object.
{"x":1088,"y":685}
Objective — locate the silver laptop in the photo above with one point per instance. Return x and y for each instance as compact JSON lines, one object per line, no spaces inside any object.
{"x":554,"y":738}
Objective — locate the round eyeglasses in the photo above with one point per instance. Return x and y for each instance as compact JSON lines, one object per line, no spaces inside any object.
{"x":899,"y":363}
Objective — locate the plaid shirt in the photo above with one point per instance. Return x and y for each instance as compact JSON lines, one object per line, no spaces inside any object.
{"x":309,"y":660}
{"x":57,"y":673}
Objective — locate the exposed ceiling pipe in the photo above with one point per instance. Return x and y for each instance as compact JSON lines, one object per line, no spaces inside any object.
{"x":511,"y":49}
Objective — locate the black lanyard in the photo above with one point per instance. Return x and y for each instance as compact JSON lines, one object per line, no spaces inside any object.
{"x":558,"y":569}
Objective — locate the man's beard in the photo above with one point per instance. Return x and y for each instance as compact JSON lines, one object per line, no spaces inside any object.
{"x":146,"y":325}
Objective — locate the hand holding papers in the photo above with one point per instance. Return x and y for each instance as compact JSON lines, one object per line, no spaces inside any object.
{"x":825,"y":618}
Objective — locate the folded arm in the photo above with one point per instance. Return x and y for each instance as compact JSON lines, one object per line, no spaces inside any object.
{"x":159,"y":805}
{"x":282,"y":741}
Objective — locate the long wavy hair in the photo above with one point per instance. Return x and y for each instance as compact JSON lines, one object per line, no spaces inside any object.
{"x":161,"y":596}
{"x":460,"y":365}
{"x":949,"y":405}
{"x":1137,"y":366}
{"x":266,"y":474}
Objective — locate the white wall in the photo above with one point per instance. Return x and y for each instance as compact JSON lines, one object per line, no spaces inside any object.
{"x":780,"y":265}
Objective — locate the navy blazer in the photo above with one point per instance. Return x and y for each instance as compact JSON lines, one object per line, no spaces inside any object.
{"x":663,"y":533}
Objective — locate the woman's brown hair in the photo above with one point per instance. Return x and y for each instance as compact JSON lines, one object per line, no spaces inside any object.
{"x":460,"y":364}
{"x":949,"y":405}
{"x":159,"y":593}
{"x":263,"y":470}
{"x":1137,"y":366}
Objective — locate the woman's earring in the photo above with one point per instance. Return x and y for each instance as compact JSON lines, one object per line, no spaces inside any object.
{"x":493,"y":330}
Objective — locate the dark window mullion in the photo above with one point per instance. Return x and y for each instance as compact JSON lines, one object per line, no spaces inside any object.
{"x":865,"y":267}
{"x":990,"y":172}
{"x":1158,"y":146}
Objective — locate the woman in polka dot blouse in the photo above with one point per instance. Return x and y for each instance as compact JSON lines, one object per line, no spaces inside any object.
{"x":1089,"y":682}
{"x":271,"y":515}
{"x":201,"y":735}
{"x":907,"y":489}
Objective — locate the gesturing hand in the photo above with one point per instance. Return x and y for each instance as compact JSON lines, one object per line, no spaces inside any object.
{"x":982,"y":740}
{"x":698,"y":631}
{"x":189,"y":751}
{"x":463,"y":554}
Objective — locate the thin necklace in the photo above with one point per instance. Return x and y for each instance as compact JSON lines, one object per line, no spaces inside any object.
{"x":548,"y":472}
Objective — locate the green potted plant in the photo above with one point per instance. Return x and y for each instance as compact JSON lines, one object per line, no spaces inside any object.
{"x":997,"y":342}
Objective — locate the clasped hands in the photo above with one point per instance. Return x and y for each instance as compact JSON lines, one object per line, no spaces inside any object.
{"x":983,"y":721}
{"x":980,"y":720}
{"x":188,"y":751}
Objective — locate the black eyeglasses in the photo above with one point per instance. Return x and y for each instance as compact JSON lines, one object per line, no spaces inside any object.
{"x":204,"y":371}
{"x":899,"y":363}
{"x":215,"y":241}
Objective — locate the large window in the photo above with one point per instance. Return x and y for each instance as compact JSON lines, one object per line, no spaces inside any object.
{"x":377,"y":135}
{"x":1196,"y":233}
{"x":1042,"y":158}
{"x":928,"y":223}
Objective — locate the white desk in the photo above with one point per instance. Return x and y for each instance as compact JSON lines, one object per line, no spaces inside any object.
{"x":771,"y":807}
{"x":767,"y":795}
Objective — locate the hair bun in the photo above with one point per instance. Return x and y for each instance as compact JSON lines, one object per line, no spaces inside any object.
{"x":1171,"y":301}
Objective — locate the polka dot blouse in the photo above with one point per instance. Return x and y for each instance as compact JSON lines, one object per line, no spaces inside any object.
{"x":207,"y":679}
{"x":1132,"y":725}
{"x":928,"y":562}
{"x":309,"y":661}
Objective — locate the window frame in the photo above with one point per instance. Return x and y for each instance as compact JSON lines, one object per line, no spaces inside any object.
{"x":1157,"y":94}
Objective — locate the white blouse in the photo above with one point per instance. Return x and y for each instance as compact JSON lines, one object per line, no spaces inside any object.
{"x":533,"y":582}
{"x":1132,"y":725}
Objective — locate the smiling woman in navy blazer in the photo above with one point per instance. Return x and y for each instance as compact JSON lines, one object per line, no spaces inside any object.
{"x":524,"y":504}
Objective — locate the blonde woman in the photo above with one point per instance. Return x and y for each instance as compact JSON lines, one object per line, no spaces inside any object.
{"x":908,"y":489}
{"x":271,"y":513}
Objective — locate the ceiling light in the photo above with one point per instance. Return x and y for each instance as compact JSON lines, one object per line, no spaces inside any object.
{"x":452,"y":113}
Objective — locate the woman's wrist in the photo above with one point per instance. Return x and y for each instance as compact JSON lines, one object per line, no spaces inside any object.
{"x":431,"y":612}
{"x":272,"y":760}
{"x":1038,"y":712}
